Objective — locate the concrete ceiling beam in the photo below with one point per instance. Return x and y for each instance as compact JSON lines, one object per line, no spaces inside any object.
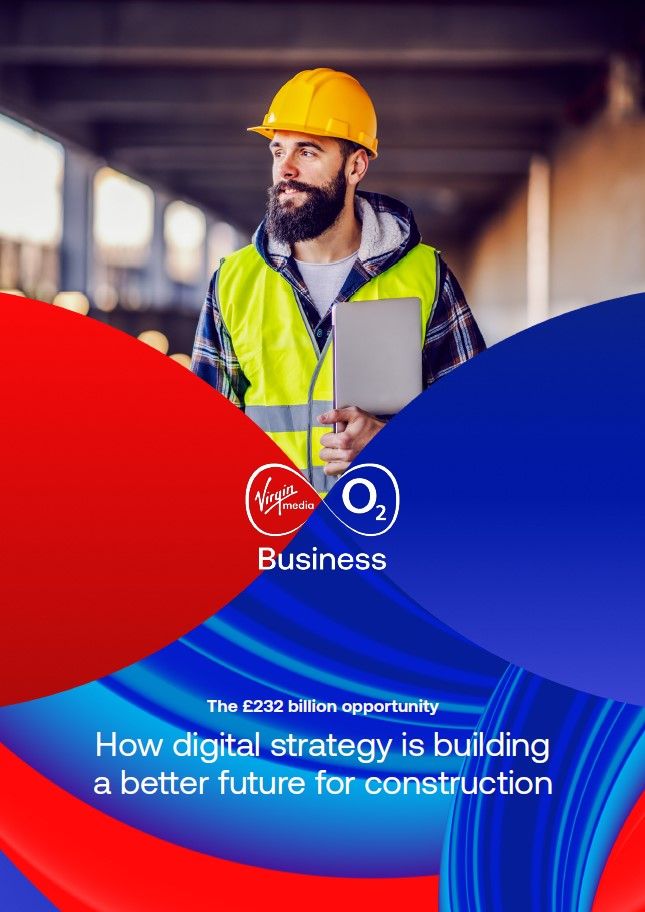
{"x":190,"y":33}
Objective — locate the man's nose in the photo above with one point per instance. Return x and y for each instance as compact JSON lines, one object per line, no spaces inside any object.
{"x":287,"y":169}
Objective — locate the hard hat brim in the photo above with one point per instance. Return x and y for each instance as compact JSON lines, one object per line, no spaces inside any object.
{"x":269,"y":133}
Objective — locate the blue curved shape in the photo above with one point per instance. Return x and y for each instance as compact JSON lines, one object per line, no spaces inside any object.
{"x":523,"y":497}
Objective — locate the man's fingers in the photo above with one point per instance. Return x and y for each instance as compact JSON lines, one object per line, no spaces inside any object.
{"x":335,"y":415}
{"x":331,"y":455}
{"x":328,"y":417}
{"x":336,"y":468}
{"x":337,"y":441}
{"x":342,"y":447}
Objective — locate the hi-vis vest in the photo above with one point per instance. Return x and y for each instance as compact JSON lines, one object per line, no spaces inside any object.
{"x":290,"y":381}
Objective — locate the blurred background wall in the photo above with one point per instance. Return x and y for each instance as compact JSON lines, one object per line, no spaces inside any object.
{"x":515,"y":132}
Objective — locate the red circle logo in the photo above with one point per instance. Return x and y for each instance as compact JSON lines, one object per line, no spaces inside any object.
{"x":278,"y":499}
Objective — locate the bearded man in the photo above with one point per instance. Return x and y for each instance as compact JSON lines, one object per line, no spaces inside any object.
{"x":264,"y":334}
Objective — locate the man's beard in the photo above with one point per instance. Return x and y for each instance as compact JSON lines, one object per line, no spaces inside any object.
{"x":289,"y":223}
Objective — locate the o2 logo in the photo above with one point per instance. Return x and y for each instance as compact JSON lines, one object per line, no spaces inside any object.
{"x":369,"y":499}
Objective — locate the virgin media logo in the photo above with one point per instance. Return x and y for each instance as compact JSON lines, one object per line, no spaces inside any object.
{"x":278,"y":499}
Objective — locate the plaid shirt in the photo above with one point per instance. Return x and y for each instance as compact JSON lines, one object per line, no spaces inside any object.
{"x":452,"y":335}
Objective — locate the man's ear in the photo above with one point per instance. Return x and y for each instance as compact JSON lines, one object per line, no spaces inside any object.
{"x":358,"y":165}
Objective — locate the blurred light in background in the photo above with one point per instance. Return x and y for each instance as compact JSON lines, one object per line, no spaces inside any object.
{"x":31,"y":175}
{"x":184,"y":360}
{"x":222,"y":241}
{"x":123,"y":218}
{"x":130,"y":297}
{"x":106,"y":297}
{"x":184,"y":234}
{"x":75,"y":301}
{"x":155,"y":340}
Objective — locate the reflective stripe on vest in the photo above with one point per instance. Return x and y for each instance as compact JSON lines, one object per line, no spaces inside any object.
{"x":272,"y":418}
{"x":290,"y":381}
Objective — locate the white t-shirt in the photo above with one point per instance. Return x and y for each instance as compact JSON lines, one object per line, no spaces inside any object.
{"x":325,"y":280}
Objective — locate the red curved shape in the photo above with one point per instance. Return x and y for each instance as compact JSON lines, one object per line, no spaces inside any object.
{"x":122,"y":484}
{"x":622,"y":885}
{"x":85,"y":861}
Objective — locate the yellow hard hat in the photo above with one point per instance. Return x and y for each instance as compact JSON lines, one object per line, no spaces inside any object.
{"x":323,"y":102}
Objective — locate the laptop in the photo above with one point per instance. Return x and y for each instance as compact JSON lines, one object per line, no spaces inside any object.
{"x":377,"y":354}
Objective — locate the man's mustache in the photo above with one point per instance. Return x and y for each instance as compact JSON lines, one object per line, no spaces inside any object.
{"x":290,"y":185}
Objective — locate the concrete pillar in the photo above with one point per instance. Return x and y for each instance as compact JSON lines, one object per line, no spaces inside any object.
{"x":157,"y":287}
{"x":77,"y":244}
{"x":537,"y":242}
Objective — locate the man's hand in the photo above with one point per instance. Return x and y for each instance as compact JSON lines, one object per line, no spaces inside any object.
{"x":355,"y":430}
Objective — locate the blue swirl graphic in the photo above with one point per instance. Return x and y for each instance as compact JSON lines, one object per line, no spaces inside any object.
{"x":545,"y":851}
{"x":288,"y":636}
{"x":18,"y":893}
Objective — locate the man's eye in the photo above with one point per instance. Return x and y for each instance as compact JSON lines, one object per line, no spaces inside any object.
{"x":307,"y":152}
